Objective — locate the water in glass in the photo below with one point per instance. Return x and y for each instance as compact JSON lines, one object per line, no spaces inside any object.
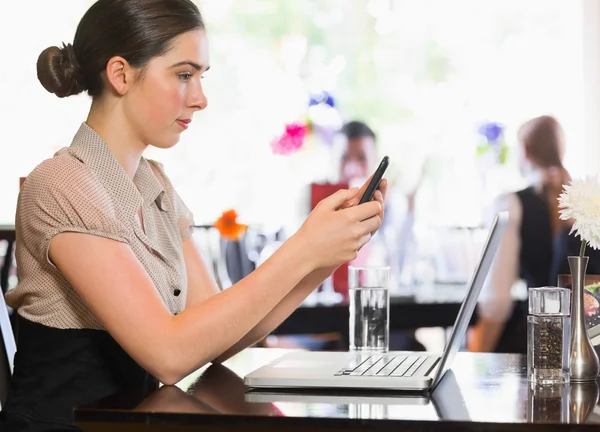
{"x":369,"y":317}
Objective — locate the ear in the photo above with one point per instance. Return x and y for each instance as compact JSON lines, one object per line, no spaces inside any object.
{"x":120,"y":74}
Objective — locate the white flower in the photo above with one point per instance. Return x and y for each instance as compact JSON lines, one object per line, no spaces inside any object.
{"x":580,"y":201}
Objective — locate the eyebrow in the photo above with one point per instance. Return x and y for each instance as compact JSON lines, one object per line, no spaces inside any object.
{"x":190,"y":63}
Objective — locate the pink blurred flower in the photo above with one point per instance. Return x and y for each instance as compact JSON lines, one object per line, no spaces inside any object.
{"x":291,"y":140}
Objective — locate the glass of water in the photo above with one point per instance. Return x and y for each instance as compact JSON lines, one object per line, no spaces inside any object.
{"x":369,"y":308}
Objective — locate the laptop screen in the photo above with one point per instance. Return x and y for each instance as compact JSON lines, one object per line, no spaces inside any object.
{"x":470,"y":301}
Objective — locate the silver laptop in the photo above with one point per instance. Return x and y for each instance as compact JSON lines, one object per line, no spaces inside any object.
{"x":447,"y":400}
{"x":394,"y":370}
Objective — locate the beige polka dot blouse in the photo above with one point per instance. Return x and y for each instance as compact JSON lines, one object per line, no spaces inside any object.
{"x":84,"y":189}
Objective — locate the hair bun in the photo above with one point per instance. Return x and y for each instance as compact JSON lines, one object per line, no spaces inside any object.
{"x":58,"y":71}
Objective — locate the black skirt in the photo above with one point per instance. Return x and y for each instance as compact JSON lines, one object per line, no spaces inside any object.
{"x":56,"y":370}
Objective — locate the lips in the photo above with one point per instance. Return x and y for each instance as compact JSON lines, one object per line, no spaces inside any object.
{"x":184,"y":123}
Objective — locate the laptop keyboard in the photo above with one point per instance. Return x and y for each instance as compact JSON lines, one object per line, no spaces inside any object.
{"x":382,"y":365}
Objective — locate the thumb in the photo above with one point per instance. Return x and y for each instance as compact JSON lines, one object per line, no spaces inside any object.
{"x":340,"y":197}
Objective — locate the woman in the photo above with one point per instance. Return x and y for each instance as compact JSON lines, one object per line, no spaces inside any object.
{"x":526,"y":251}
{"x":112,"y":292}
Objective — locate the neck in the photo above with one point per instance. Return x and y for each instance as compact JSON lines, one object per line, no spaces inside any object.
{"x":535,"y":177}
{"x":108,"y":120}
{"x":540,"y":177}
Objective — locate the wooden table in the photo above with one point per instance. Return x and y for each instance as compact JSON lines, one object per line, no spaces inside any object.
{"x":482,"y":392}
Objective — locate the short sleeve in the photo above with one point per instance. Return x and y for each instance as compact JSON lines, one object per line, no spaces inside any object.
{"x":62,"y":195}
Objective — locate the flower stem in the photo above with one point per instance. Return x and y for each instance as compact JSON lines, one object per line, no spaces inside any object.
{"x":582,"y":250}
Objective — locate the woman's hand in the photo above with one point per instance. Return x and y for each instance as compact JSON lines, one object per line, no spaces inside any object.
{"x":378,"y":196}
{"x":335,"y":231}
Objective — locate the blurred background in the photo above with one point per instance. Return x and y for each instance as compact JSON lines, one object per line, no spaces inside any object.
{"x":431,"y":78}
{"x":443,"y":86}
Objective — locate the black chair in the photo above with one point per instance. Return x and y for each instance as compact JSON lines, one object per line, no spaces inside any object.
{"x":224,"y":258}
{"x":6,"y":267}
{"x":8,"y":348}
{"x":232,"y":260}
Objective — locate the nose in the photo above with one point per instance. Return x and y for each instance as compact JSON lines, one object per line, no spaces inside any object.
{"x":197,"y":99}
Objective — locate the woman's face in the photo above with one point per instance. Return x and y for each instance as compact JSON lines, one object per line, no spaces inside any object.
{"x":161,"y":105}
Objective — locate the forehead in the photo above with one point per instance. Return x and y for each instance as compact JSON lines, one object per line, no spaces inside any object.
{"x":359,"y":145}
{"x":190,"y":46}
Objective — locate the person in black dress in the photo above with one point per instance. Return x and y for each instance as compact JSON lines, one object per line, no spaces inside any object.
{"x":527,"y":251}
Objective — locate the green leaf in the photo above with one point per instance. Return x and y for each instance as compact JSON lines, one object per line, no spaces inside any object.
{"x":593,"y":287}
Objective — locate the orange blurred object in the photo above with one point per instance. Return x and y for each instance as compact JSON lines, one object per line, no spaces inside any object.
{"x":228,"y":226}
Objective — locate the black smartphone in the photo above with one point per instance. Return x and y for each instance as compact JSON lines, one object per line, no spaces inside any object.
{"x":375,"y":180}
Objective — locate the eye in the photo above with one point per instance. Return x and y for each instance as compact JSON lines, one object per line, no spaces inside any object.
{"x":185,"y":76}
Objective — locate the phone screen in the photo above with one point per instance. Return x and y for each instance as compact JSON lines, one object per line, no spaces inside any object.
{"x":375,"y":180}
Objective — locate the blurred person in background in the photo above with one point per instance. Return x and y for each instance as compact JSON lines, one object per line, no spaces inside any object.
{"x":358,"y":159}
{"x":527,"y":248}
{"x":358,"y":153}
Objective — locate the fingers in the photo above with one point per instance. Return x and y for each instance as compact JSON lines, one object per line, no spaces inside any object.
{"x":336,"y":200}
{"x":363,"y":188}
{"x":367,"y":229}
{"x":364,"y":240}
{"x":379,"y":197}
{"x":350,"y":203}
{"x":370,"y":225}
{"x":382,"y":189}
{"x":364,"y":211}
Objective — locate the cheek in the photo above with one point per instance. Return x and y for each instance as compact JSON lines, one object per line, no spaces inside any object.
{"x":161,"y":104}
{"x":173,"y":99}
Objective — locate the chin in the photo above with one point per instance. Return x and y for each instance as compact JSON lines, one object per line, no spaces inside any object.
{"x":166,"y":143}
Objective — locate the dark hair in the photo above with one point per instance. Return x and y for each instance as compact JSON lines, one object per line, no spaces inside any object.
{"x":542,"y":137}
{"x":357,"y":129}
{"x":136,"y":30}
